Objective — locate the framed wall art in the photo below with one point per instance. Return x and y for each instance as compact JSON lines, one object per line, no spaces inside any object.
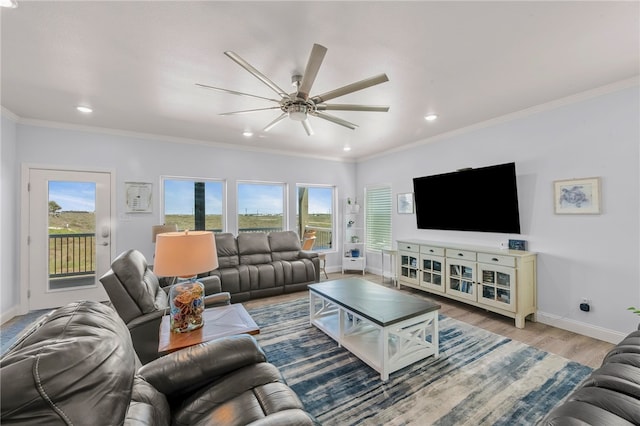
{"x":577,"y":196}
{"x":138,"y":197}
{"x":405,"y":203}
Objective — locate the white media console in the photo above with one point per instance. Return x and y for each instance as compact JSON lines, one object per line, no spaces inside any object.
{"x":502,"y":281}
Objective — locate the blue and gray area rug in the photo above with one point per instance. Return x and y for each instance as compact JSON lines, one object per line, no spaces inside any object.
{"x":480,"y":378}
{"x":12,"y":329}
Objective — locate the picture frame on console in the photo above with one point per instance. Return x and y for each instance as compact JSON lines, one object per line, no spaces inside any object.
{"x":577,"y":196}
{"x":405,"y":203}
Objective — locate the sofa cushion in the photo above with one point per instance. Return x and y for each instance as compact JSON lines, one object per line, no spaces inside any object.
{"x":253,"y":248}
{"x":76,"y":365}
{"x":285,"y":245}
{"x":227,"y":250}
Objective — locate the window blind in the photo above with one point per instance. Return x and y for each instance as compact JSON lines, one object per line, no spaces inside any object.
{"x":378,"y":209}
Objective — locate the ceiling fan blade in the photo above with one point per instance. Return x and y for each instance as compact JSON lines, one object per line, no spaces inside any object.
{"x":352,"y":107}
{"x":307,"y":127}
{"x":233,"y":92}
{"x":274,"y":122}
{"x":350,"y":88}
{"x":335,"y":119}
{"x":246,"y":111}
{"x":311,"y":71}
{"x":257,"y":74}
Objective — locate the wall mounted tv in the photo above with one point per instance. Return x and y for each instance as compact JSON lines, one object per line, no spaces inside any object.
{"x":483,"y":199}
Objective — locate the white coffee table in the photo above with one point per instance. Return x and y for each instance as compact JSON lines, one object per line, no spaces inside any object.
{"x":385,"y":328}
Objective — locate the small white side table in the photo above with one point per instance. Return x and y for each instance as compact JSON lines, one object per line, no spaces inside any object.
{"x":392,"y":253}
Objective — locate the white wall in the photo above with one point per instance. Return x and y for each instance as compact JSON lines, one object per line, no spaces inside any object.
{"x":8,"y":231}
{"x":146,"y":160}
{"x":590,"y":256}
{"x":596,"y":257}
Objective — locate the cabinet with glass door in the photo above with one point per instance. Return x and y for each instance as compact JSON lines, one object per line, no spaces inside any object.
{"x":432,"y":273}
{"x":461,"y":274}
{"x":408,"y":258}
{"x":497,"y":282}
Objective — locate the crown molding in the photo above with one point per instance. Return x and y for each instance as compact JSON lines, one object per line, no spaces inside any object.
{"x":171,"y":139}
{"x":9,"y":114}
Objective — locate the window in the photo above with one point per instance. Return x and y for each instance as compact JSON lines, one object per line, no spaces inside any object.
{"x":194,"y":204}
{"x":378,"y":209}
{"x":260,"y":207}
{"x":315,"y":214}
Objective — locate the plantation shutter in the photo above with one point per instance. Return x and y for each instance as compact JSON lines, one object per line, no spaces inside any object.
{"x":378,"y":209}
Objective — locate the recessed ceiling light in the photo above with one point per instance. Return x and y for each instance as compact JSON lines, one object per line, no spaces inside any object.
{"x":247,"y":134}
{"x":9,"y":3}
{"x":430,"y":117}
{"x":347,"y":148}
{"x":84,"y":109}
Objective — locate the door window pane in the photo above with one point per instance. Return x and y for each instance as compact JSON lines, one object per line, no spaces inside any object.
{"x":72,"y":227}
{"x":315,"y":215}
{"x":260,"y":207}
{"x":194,"y":204}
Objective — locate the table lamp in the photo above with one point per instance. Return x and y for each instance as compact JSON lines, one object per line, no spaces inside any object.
{"x":185,"y":255}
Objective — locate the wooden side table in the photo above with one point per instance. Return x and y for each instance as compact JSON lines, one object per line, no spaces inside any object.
{"x":220,"y":321}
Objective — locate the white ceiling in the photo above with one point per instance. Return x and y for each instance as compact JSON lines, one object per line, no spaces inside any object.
{"x":136,"y":64}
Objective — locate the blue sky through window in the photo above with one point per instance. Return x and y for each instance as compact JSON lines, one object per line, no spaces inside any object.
{"x":73,"y":196}
{"x":320,"y":200}
{"x":179,"y":197}
{"x":254,"y":198}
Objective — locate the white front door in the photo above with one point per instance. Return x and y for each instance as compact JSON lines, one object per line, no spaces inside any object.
{"x":69,"y":236}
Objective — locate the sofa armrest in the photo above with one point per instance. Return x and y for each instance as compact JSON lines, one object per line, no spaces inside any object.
{"x":145,"y":336}
{"x":217,"y":299}
{"x":304,"y":254}
{"x":186,"y":370}
{"x":151,"y":317}
{"x":211,"y":284}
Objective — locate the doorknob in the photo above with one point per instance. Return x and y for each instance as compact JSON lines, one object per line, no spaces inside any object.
{"x":105,"y":243}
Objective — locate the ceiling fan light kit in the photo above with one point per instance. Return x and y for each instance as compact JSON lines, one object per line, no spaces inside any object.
{"x":298,"y":106}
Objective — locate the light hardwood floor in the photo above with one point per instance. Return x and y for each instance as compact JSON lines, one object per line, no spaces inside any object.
{"x":576,"y":347}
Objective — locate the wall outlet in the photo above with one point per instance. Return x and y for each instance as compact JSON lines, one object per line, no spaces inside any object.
{"x":585,"y":306}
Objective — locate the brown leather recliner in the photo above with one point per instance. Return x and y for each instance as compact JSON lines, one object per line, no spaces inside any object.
{"x":141,"y":302}
{"x":77,"y":366}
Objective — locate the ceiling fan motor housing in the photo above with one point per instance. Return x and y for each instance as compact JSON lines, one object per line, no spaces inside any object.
{"x":297,"y":111}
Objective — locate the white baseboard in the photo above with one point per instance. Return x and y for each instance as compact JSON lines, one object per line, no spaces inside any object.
{"x":581,"y":328}
{"x":8,"y":314}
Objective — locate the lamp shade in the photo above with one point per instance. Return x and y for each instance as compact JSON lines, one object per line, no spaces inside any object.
{"x":161,"y":229}
{"x":185,"y":254}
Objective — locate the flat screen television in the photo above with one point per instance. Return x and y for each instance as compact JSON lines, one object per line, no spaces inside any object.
{"x":483,"y":199}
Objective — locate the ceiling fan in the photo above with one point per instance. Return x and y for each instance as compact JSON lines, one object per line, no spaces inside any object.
{"x":298,"y":106}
